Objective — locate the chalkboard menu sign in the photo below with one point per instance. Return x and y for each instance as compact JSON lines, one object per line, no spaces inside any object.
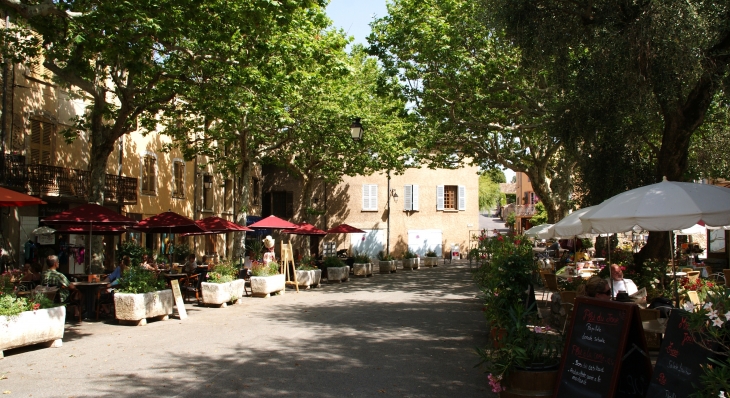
{"x":605,"y":352}
{"x":678,"y":365}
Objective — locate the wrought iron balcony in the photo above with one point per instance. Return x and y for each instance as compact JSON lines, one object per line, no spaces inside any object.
{"x":61,"y":182}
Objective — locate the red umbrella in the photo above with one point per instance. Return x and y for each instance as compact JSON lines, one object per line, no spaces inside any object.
{"x":273,"y":222}
{"x":85,"y":229}
{"x":12,"y":198}
{"x":168,"y":222}
{"x":217,"y":224}
{"x":90,"y":213}
{"x":306,"y":229}
{"x":345,"y":229}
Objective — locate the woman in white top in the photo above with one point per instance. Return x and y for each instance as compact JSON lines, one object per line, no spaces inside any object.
{"x":621,"y":284}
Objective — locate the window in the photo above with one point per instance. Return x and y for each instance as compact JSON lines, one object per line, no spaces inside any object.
{"x":207,"y":192}
{"x":369,"y":197}
{"x":228,"y":197}
{"x":410,"y":202}
{"x":451,"y":197}
{"x":41,"y":142}
{"x":282,"y":204}
{"x":149,"y":175}
{"x":178,"y":179}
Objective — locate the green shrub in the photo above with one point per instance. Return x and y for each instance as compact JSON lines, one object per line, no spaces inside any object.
{"x":12,"y":306}
{"x":268,"y":269}
{"x":361,"y":258}
{"x":181,"y":252}
{"x":408,"y":255}
{"x":332,"y":262}
{"x":307,"y":263}
{"x":431,"y":253}
{"x":133,"y":250}
{"x":137,"y":280}
{"x":223,"y":272}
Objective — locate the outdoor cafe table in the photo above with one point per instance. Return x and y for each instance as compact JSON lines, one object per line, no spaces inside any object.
{"x":90,"y":290}
{"x":171,"y":277}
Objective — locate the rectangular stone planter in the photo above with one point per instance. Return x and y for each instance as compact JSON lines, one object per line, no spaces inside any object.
{"x":384,"y":266}
{"x":219,"y":294}
{"x":338,"y":274}
{"x":431,"y":261}
{"x":137,"y":308}
{"x":417,"y":263}
{"x":409,"y":263}
{"x":362,"y":269}
{"x":305,"y":278}
{"x":32,"y":327}
{"x":316,"y":277}
{"x":263,"y":286}
{"x":393,"y":266}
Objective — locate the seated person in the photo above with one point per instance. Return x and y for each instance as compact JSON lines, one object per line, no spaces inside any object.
{"x":190,"y":264}
{"x":54,"y":278}
{"x":621,"y":284}
{"x":114,"y":277}
{"x":147,"y":263}
{"x":597,"y":287}
{"x":29,"y":275}
{"x":554,"y":249}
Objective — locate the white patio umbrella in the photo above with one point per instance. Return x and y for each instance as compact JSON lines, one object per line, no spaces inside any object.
{"x":571,"y":225}
{"x":542,"y":231}
{"x":665,"y":206}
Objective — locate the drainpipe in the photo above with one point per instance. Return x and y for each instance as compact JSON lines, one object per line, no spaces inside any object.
{"x":387,"y":238}
{"x":6,"y":76}
{"x":195,"y":200}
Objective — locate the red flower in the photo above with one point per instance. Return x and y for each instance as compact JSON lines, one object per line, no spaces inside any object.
{"x":36,"y":306}
{"x":517,"y":242}
{"x":499,"y":238}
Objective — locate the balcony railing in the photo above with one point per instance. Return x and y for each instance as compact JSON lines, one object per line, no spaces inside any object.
{"x":61,"y":182}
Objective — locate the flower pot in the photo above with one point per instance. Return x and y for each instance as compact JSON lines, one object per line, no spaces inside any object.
{"x":305,"y":278}
{"x":529,"y":383}
{"x":338,"y":274}
{"x":431,"y":261}
{"x":316,"y":277}
{"x":384,"y":266}
{"x":137,"y":308}
{"x":408,"y":263}
{"x":362,"y":269}
{"x":263,"y":286}
{"x":219,"y":294}
{"x":33,"y":327}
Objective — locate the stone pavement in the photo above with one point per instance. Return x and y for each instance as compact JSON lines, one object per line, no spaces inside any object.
{"x":409,"y":334}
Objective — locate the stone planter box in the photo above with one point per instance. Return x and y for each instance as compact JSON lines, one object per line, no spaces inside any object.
{"x":385,"y":267}
{"x":263,"y":286}
{"x":32,"y":327}
{"x":309,"y":278}
{"x":362,"y":269}
{"x":409,"y":263}
{"x":137,"y":308}
{"x":393,"y":266}
{"x":219,"y":294}
{"x":338,"y":274}
{"x":431,"y":261}
{"x":417,"y":263}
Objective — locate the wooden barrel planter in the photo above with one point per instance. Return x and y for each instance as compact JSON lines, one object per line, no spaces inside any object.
{"x":530,"y":383}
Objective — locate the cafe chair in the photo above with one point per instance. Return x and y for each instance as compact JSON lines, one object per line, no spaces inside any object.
{"x":551,"y":285}
{"x":687,"y":269}
{"x":653,"y":339}
{"x":190,"y":286}
{"x":694,"y":298}
{"x":693,"y":276}
{"x":568,"y":296}
{"x":726,"y":275}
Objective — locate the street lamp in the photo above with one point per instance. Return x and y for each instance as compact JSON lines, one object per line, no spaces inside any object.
{"x":356,"y":129}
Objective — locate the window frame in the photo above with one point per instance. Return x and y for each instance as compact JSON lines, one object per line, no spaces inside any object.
{"x":459,"y":198}
{"x":410,"y":197}
{"x":207,"y":194}
{"x":178,"y":187}
{"x":143,"y":188}
{"x":369,"y":197}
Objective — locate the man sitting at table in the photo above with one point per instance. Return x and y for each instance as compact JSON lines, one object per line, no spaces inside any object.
{"x":621,"y":284}
{"x":596,"y":288}
{"x":54,"y":278}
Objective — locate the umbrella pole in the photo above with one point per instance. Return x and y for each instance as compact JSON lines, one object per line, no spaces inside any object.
{"x":674,"y":270}
{"x":91,"y":248}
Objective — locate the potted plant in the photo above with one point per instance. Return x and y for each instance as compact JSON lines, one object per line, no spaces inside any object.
{"x":337,"y":271}
{"x":362,"y":266}
{"x":409,"y":260}
{"x":141,"y":295}
{"x":385,"y":263}
{"x":266,"y":279}
{"x":222,"y":286}
{"x":431,"y":259}
{"x":710,"y":328}
{"x":519,"y":350}
{"x":25,"y":321}
{"x":308,"y":275}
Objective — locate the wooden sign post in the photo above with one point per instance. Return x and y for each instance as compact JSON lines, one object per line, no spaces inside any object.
{"x":287,"y":256}
{"x":605,"y":353}
{"x":679,"y":364}
{"x":179,"y":302}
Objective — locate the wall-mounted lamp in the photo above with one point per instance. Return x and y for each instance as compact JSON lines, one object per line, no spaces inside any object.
{"x":208,"y":181}
{"x":356,"y":129}
{"x":394,"y":194}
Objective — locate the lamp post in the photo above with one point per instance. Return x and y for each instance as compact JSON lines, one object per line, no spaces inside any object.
{"x":394,"y":195}
{"x":356,"y":129}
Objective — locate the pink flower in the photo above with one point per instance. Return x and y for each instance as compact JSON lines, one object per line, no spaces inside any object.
{"x":494,"y":383}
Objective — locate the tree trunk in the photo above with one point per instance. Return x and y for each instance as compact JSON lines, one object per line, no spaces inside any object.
{"x":243,"y":195}
{"x":307,"y":211}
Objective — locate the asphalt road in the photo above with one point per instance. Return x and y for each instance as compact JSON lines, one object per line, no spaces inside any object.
{"x":409,"y":334}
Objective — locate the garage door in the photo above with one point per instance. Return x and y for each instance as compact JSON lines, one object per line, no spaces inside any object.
{"x":422,"y":240}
